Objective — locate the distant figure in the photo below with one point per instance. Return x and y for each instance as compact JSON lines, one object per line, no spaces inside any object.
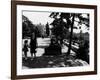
{"x":47,"y":29}
{"x":25,"y":48}
{"x":33,"y":43}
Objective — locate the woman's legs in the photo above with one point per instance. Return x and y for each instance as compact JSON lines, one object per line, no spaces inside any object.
{"x":33,"y":52}
{"x":31,"y":56}
{"x":34,"y":55}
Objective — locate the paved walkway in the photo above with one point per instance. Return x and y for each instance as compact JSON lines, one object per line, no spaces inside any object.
{"x":42,"y":43}
{"x":50,"y":61}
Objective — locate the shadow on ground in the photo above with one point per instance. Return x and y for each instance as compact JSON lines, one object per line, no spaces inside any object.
{"x":53,"y":61}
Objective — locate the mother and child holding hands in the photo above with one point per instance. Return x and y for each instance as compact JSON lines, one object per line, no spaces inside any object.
{"x":32,"y":46}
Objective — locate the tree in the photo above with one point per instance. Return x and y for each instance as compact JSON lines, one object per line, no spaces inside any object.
{"x":40,"y":29}
{"x":59,"y":27}
{"x":28,"y":27}
{"x":69,"y":49}
{"x":70,"y":19}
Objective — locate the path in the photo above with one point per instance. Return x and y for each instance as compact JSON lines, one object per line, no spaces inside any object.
{"x":42,"y":43}
{"x":51,"y":61}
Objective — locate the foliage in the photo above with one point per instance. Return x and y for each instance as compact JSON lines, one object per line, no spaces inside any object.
{"x":27,"y":27}
{"x":63,"y":21}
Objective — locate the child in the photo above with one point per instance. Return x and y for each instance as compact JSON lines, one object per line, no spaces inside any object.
{"x":25,"y":48}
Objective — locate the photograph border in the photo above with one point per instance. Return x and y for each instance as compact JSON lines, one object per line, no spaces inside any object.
{"x":14,"y":38}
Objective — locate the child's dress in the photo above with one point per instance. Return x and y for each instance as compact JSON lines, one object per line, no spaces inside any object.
{"x":25,"y":48}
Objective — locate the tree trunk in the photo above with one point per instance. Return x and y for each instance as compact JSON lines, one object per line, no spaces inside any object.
{"x":71,"y":34}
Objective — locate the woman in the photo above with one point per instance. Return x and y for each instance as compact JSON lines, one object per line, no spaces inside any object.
{"x":33,"y":45}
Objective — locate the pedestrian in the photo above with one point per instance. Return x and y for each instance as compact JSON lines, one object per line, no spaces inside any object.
{"x":33,"y":44}
{"x":25,"y":48}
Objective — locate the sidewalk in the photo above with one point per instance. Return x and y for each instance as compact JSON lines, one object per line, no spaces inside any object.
{"x":42,"y":43}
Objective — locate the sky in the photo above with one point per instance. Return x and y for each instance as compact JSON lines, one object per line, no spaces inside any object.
{"x":43,"y":18}
{"x":38,"y":17}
